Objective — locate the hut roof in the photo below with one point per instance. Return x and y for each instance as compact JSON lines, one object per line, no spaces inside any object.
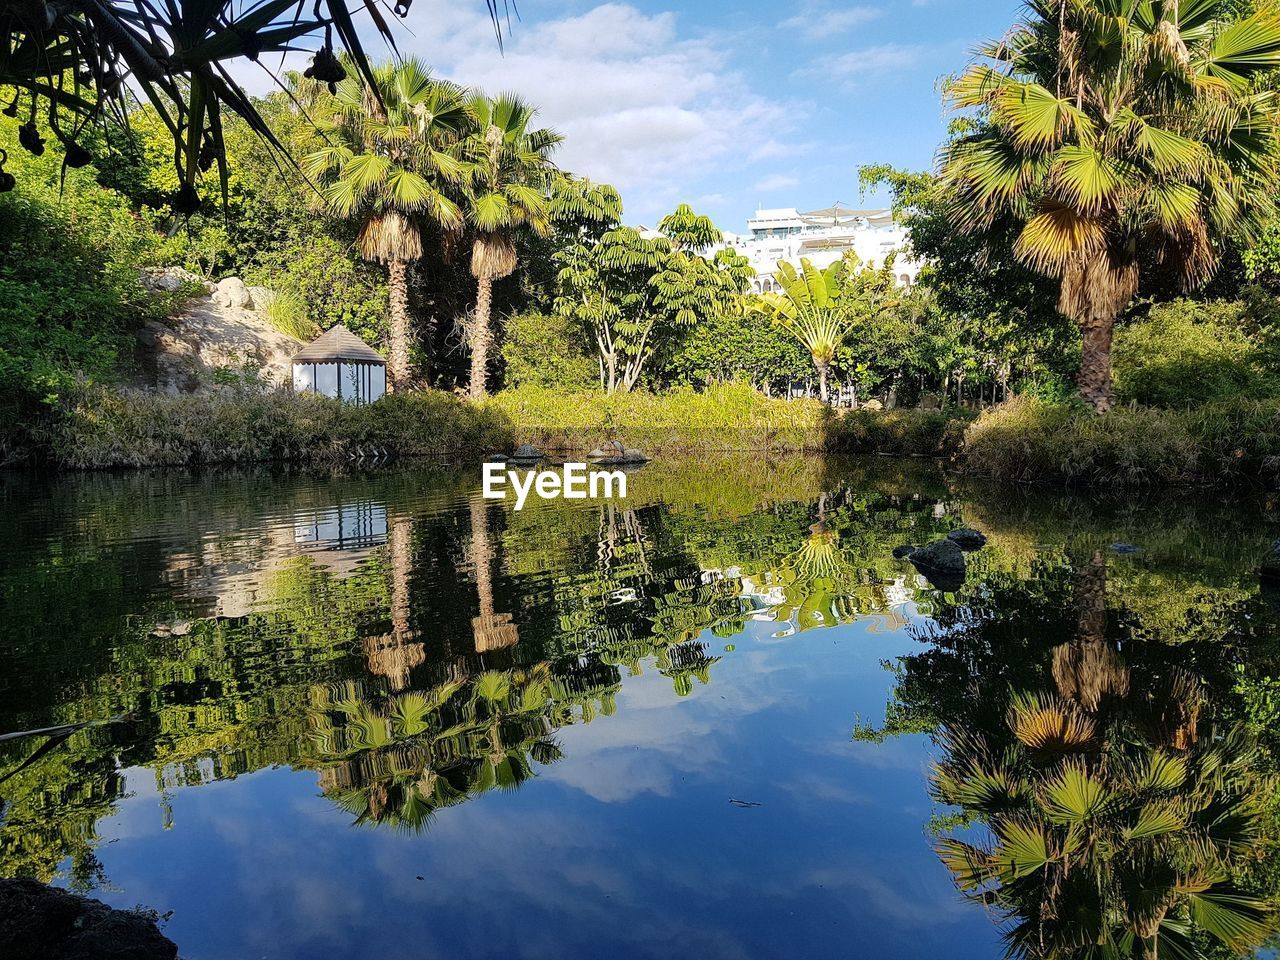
{"x":335,"y":344}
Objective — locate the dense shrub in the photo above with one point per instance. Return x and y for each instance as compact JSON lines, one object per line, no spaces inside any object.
{"x":1027,"y":439}
{"x":103,"y":428}
{"x":70,"y":291}
{"x":902,"y":432}
{"x":545,"y":350}
{"x":1186,"y":353}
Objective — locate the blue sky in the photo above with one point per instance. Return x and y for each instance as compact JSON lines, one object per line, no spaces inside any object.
{"x":723,"y":105}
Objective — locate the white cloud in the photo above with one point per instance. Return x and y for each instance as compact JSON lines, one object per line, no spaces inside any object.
{"x":640,"y":105}
{"x":776,"y":182}
{"x":815,"y":21}
{"x":870,"y":62}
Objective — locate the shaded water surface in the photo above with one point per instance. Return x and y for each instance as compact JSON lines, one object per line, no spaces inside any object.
{"x":373,"y":714}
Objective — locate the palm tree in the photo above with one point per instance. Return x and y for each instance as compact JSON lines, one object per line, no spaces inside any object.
{"x":811,"y":308}
{"x":1114,"y":136}
{"x":391,"y":159}
{"x":509,"y":175}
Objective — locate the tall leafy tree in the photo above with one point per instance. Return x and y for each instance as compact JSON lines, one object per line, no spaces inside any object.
{"x":634,"y":295}
{"x":1117,"y":137}
{"x":390,"y":159}
{"x":509,"y":174}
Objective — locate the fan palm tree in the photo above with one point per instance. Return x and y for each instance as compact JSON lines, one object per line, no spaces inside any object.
{"x":391,"y":158}
{"x":811,"y":308}
{"x":1118,"y":136}
{"x":509,"y":176}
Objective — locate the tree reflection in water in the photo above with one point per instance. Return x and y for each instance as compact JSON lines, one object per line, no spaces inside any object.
{"x":1097,"y":725}
{"x":1114,"y":806}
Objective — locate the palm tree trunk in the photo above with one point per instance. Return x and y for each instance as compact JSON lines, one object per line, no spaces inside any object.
{"x":1095,"y":362}
{"x":398,"y":285}
{"x":480,"y":338}
{"x":822,"y":381}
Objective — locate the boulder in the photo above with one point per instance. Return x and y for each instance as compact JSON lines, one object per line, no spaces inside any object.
{"x":903,"y":551}
{"x":260,"y":298}
{"x":968,"y":539}
{"x":527,"y":451}
{"x":942,"y":563}
{"x":873,"y":405}
{"x":171,"y":279}
{"x":631,"y":455}
{"x":232,"y":292}
{"x":38,"y":922}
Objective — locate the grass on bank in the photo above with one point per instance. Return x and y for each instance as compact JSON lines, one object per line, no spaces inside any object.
{"x":1231,"y":440}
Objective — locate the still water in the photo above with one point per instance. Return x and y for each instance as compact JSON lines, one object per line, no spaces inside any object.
{"x":373,"y":714}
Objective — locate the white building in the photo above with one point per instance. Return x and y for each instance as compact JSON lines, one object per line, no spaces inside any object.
{"x":823,"y":237}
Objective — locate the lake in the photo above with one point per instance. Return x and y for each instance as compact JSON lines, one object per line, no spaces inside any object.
{"x":369,"y":713}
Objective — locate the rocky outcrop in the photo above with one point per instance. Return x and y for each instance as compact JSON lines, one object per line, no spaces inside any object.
{"x":216,"y":332}
{"x":45,"y":923}
{"x":941,"y":563}
{"x":967,"y":539}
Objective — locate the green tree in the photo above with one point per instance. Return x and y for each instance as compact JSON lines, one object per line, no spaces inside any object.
{"x":509,"y":172}
{"x":1115,"y":136}
{"x":390,"y":158}
{"x":634,"y":294}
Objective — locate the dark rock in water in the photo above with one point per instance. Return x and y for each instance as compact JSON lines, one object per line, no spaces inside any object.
{"x":633,"y":456}
{"x":942,"y":563}
{"x":967,"y":539}
{"x":1269,"y":569}
{"x":904,"y":551}
{"x":44,"y":923}
{"x":527,"y":451}
{"x":495,"y":458}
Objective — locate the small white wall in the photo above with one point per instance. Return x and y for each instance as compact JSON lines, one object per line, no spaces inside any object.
{"x":302,"y":381}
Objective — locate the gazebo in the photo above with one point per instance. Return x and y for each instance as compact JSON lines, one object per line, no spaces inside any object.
{"x":339,"y":364}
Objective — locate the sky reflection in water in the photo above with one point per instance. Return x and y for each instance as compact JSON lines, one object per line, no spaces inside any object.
{"x":372,"y":715}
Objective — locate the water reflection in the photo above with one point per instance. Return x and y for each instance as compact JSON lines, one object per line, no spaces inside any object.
{"x":1106,"y":723}
{"x":1113,"y":799}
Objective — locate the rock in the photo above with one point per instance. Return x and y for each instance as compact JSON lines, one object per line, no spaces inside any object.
{"x":495,"y":458}
{"x":597,"y":454}
{"x":259,"y":298}
{"x":873,"y":405}
{"x":942,"y":563}
{"x":1269,"y":569}
{"x":1123,"y":548}
{"x":527,"y":451}
{"x":45,"y":923}
{"x":233,"y":293}
{"x":967,"y":539}
{"x":171,"y":279}
{"x":903,"y":551}
{"x":633,"y":456}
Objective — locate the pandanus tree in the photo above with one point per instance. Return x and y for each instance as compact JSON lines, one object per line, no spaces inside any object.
{"x":76,"y":64}
{"x":1117,"y":138}
{"x":389,"y":161}
{"x":509,"y":175}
